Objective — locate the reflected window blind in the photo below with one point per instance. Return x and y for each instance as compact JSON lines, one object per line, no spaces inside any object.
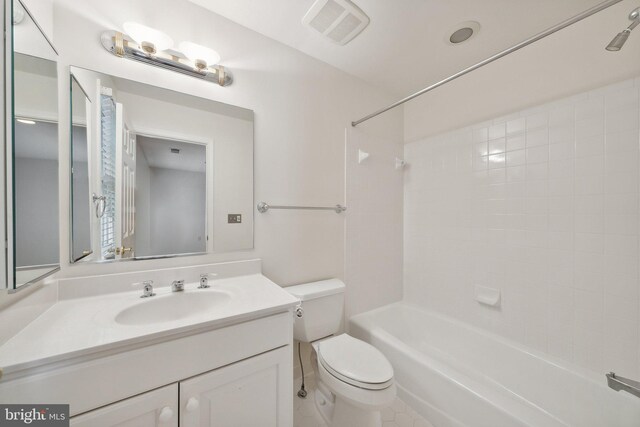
{"x":108,"y":174}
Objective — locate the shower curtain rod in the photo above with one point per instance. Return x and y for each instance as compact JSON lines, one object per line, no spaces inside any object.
{"x":579,"y":17}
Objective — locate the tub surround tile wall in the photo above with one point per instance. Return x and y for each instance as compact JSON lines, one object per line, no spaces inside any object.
{"x":542,"y":204}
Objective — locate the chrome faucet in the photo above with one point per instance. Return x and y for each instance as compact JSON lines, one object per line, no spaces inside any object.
{"x":204,"y":280}
{"x":177,"y":286}
{"x":147,"y":288}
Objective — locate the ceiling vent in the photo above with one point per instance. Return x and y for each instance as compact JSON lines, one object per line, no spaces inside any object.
{"x":338,"y":20}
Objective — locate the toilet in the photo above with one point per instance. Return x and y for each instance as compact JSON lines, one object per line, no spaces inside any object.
{"x":355,"y":380}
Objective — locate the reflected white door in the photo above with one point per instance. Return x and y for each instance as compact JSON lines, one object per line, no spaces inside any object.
{"x":125,"y":186}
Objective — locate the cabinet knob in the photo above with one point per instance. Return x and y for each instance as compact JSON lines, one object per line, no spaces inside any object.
{"x":192,"y":404}
{"x":165,"y":414}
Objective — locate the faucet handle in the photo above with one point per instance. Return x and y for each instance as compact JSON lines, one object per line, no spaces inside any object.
{"x":147,"y":288}
{"x":204,"y":280}
{"x":177,"y":285}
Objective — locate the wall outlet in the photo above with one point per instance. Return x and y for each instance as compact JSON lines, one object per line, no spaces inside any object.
{"x":234,"y":218}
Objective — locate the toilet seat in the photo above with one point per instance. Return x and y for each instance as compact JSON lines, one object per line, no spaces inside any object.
{"x":355,"y":362}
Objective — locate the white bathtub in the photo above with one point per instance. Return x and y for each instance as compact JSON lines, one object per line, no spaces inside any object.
{"x":454,"y":374}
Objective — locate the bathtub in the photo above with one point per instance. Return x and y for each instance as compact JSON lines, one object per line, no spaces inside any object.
{"x":455,"y":374}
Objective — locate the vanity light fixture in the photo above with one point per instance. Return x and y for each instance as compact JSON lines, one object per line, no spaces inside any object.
{"x":151,"y":46}
{"x":149,"y":39}
{"x":200,"y":55}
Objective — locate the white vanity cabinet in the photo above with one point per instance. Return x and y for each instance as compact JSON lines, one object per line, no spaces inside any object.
{"x":247,"y":393}
{"x":243,"y":394}
{"x":239,"y":375}
{"x":157,"y":408}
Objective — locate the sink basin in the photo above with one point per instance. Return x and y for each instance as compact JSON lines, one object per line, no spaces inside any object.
{"x":168,"y":308}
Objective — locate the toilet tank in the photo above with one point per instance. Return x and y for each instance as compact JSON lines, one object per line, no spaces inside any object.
{"x":323,"y":306}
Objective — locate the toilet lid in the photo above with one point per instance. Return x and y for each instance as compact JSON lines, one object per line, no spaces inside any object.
{"x":355,"y":362}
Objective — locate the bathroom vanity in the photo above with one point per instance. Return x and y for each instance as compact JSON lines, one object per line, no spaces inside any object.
{"x":197,"y":357}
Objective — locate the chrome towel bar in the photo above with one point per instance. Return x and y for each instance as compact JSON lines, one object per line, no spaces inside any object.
{"x":264,"y":207}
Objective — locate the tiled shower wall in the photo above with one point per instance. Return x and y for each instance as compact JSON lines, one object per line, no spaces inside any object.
{"x":542,"y":204}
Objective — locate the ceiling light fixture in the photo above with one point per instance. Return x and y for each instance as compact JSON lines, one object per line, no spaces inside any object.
{"x":150,"y":46}
{"x":200,"y":55}
{"x":462,"y":32}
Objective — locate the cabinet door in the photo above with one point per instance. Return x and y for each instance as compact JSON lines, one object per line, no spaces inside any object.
{"x":254,"y":392}
{"x":155,"y":408}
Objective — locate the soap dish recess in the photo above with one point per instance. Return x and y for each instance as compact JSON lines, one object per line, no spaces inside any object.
{"x":487,"y":296}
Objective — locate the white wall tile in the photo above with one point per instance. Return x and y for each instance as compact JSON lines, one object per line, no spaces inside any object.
{"x":547,"y":210}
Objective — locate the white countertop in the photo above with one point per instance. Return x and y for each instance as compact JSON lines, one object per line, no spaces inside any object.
{"x":85,"y":326}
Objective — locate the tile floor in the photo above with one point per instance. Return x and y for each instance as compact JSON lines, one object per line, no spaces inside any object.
{"x":398,"y":414}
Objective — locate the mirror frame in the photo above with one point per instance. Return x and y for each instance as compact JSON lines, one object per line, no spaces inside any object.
{"x":9,"y":183}
{"x":72,"y":80}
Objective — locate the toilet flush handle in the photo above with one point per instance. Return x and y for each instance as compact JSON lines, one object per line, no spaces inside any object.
{"x":299,"y":312}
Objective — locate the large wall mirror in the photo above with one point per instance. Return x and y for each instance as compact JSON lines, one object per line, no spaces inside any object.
{"x":32,"y":178}
{"x":157,"y":173}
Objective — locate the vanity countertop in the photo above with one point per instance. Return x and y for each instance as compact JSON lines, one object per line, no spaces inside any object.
{"x":79,"y":327}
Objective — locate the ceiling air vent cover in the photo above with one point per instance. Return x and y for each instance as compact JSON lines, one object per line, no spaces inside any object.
{"x":338,"y":20}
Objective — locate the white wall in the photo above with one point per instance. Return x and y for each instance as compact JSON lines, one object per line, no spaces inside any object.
{"x":82,"y":209}
{"x":178,"y":211}
{"x":301,"y":106}
{"x":143,"y":204}
{"x":374,"y":220}
{"x":36,"y":211}
{"x":542,"y":204}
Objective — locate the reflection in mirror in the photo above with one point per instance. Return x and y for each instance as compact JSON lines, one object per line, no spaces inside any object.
{"x":80,"y":196}
{"x":166,"y":171}
{"x":34,"y":152}
{"x":175,"y":172}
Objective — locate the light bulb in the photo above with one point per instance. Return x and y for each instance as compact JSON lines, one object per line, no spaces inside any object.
{"x":202,"y":56}
{"x":150,"y":39}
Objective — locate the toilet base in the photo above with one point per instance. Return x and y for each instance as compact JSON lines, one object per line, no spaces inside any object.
{"x":337,"y":412}
{"x":347,"y":415}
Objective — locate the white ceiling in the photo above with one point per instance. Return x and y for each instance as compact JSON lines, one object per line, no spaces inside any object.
{"x":157,"y":151}
{"x":405,"y":47}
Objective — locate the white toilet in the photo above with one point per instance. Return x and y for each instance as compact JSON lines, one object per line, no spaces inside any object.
{"x":355,"y":380}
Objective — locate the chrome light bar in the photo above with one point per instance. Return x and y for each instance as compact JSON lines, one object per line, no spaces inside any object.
{"x":121,"y":46}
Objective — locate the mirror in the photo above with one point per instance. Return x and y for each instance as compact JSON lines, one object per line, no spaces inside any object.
{"x":33,"y":182}
{"x":168,"y":173}
{"x":80,"y":197}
